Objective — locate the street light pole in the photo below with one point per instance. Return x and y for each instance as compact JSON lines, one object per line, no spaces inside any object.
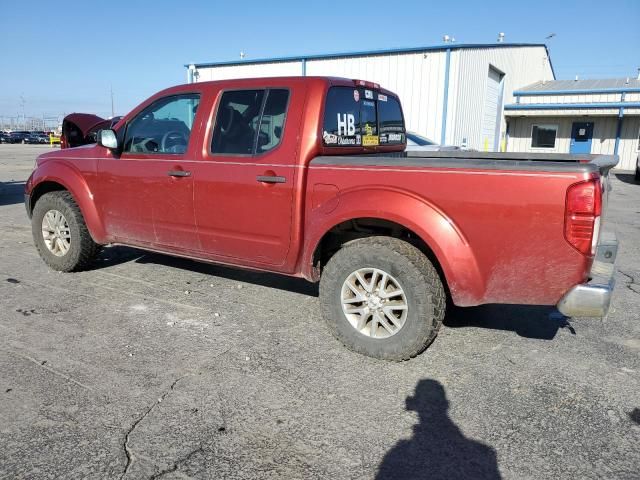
{"x":112,"y":110}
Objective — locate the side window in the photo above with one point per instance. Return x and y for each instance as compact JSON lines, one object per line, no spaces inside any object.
{"x":272,"y":122}
{"x":249,"y":122}
{"x":391,"y":120}
{"x":163,"y":127}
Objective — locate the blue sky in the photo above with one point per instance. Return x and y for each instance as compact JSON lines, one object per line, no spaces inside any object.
{"x":65,"y":56}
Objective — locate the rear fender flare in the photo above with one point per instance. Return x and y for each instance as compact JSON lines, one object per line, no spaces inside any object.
{"x":431,"y":224}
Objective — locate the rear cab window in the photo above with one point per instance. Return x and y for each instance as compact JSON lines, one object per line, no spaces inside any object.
{"x":362,"y":117}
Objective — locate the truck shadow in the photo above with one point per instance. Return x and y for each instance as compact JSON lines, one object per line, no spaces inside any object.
{"x":116,"y":255}
{"x":626,"y":178}
{"x":437,"y":449}
{"x":11,"y":193}
{"x":530,"y":321}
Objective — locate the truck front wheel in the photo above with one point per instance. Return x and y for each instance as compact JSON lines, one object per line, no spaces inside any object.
{"x":383,"y":298}
{"x":60,"y":233}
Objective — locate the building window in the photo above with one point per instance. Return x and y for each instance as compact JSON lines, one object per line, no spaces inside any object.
{"x":544,"y":136}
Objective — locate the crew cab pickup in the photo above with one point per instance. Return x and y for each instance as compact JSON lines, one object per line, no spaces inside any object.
{"x":307,"y":176}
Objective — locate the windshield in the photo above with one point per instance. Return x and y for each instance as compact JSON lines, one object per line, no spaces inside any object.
{"x":415,"y":139}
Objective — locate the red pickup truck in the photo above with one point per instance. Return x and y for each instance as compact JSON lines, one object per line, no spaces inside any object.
{"x":308,"y":177}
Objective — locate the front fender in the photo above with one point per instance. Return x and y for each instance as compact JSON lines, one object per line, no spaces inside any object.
{"x":432,"y":225}
{"x":69,"y":177}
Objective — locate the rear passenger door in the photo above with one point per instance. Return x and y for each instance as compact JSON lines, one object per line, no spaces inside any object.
{"x":244,"y":185}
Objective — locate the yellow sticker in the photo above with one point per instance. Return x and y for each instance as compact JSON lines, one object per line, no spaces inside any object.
{"x":369,"y":140}
{"x":368,"y":129}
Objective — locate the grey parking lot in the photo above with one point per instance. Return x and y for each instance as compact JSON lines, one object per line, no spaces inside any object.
{"x":149,"y":366}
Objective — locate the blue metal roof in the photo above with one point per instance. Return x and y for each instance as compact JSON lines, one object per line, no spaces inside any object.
{"x":570,"y":106}
{"x":433,"y":48}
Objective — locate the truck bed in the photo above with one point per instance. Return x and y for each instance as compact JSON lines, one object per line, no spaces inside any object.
{"x":497,"y":218}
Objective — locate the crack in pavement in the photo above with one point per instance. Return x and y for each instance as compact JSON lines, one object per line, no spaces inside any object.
{"x":631,"y":282}
{"x":43,"y":364}
{"x":127,"y":450}
{"x":177,"y":463}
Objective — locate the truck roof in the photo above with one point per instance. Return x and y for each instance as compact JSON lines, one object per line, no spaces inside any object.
{"x":322,"y":81}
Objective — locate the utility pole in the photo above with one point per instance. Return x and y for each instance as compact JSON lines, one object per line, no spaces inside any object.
{"x":112,"y":110}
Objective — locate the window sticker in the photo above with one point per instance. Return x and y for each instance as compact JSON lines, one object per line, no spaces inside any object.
{"x":346,"y":124}
{"x":356,"y":95}
{"x":382,"y":98}
{"x":368,"y":94}
{"x":368,"y":129}
{"x":370,"y":140}
{"x":390,"y":138}
{"x":348,"y":141}
{"x":329,"y":138}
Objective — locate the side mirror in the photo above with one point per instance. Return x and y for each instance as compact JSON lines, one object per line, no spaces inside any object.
{"x":108,"y":139}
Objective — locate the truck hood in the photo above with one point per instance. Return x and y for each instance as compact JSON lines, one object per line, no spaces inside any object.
{"x":76,"y":153}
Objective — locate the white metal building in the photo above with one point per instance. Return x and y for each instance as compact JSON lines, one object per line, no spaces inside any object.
{"x":453,"y":93}
{"x":577,"y":116}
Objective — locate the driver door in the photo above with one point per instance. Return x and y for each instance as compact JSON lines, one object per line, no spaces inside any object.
{"x":147,"y":192}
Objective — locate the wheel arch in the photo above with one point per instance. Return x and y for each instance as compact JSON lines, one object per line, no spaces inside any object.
{"x":401,"y":216}
{"x":61,"y":177}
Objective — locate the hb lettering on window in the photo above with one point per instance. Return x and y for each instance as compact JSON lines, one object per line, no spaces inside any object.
{"x":346,"y":124}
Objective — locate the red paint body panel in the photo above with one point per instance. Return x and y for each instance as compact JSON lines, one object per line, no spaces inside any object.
{"x":497,"y":234}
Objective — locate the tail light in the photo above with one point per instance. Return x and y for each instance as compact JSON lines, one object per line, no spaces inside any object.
{"x":582,"y":216}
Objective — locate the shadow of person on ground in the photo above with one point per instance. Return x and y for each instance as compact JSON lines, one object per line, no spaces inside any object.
{"x":530,"y":321}
{"x":437,"y":449}
{"x":11,"y":193}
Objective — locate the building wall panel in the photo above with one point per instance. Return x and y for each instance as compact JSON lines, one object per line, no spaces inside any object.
{"x":417,"y":78}
{"x":521,"y":66}
{"x":604,"y":134}
{"x":275,"y":69}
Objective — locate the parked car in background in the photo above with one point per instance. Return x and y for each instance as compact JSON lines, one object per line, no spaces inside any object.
{"x":4,"y":137}
{"x":18,"y":136}
{"x":37,"y":138}
{"x":308,"y":177}
{"x":416,"y":142}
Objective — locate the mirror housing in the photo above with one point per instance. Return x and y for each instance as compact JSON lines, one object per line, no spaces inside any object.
{"x":108,"y":139}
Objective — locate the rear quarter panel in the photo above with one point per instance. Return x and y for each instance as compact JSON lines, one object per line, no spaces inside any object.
{"x":497,"y":234}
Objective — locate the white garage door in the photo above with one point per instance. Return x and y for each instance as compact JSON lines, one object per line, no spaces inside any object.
{"x":492,"y":107}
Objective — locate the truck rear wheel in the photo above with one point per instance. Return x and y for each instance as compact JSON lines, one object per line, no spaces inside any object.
{"x":60,"y":233}
{"x":383,"y":298}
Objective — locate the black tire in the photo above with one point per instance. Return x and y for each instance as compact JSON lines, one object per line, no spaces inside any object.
{"x":637,"y":175}
{"x":82,"y":249}
{"x":425,"y":295}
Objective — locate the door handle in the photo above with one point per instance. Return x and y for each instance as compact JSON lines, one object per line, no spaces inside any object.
{"x":178,"y":173}
{"x":271,"y":179}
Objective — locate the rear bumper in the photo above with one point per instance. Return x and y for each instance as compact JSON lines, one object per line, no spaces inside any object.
{"x":592,"y":299}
